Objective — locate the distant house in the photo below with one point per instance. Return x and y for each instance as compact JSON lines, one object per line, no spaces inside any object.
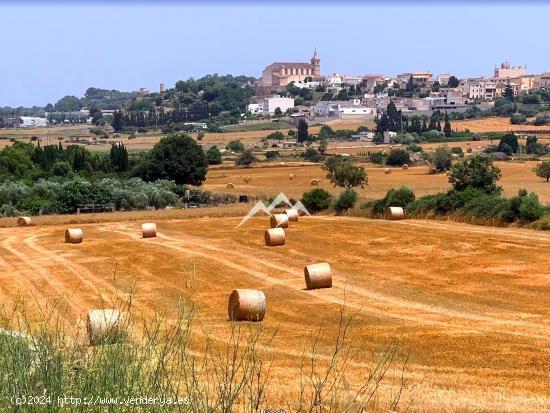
{"x":269,"y":104}
{"x":30,"y":122}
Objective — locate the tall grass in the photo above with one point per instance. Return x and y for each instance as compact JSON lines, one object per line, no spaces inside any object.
{"x":52,"y":366}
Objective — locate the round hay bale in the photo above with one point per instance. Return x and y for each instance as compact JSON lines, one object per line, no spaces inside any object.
{"x":105,"y":326}
{"x":247,"y":179}
{"x":318,"y":276}
{"x":23,"y":221}
{"x":279,"y":221}
{"x":292,"y":177}
{"x":395,"y":213}
{"x":448,"y":173}
{"x":292,"y":214}
{"x":387,"y":171}
{"x":73,"y":235}
{"x":230,"y":186}
{"x":274,"y":237}
{"x":468,"y":143}
{"x":246,"y":305}
{"x":405,"y":166}
{"x":149,"y":230}
{"x":314,"y":182}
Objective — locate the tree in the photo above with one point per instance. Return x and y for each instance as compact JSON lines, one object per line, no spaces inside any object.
{"x":346,"y":200}
{"x":518,"y":119}
{"x":68,"y":104}
{"x":235,"y":146}
{"x":61,"y":168}
{"x":543,"y":170}
{"x":278,"y":112}
{"x":246,"y":158}
{"x":303,"y":135}
{"x":118,"y":121}
{"x":442,"y":158}
{"x":344,"y":174}
{"x":214,"y":156}
{"x":176,"y":157}
{"x":398,"y":157}
{"x":509,"y":139}
{"x":119,"y":157}
{"x":326,"y":132}
{"x":436,"y":86}
{"x":447,"y":128}
{"x":508,"y":92}
{"x":96,"y":115}
{"x":316,"y":200}
{"x":323,"y":145}
{"x":453,"y":82}
{"x":478,"y":172}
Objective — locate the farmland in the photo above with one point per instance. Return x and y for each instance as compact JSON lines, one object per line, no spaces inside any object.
{"x":468,"y":302}
{"x":274,"y":179}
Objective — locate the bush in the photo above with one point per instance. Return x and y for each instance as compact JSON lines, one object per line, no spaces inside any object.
{"x":246,"y":158}
{"x":542,"y":170}
{"x":235,"y":146}
{"x":316,"y":200}
{"x":61,"y":168}
{"x":518,"y":119}
{"x":377,"y":158}
{"x":475,"y":172}
{"x":344,"y":174}
{"x":398,"y":157}
{"x":272,"y":154}
{"x":312,"y":155}
{"x":400,"y":197}
{"x":214,"y":156}
{"x":442,"y":159}
{"x":346,"y":200}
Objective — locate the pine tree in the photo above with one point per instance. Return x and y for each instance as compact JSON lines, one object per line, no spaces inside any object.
{"x":508,"y":92}
{"x":303,"y":135}
{"x":119,"y":157}
{"x":117,"y":122}
{"x":447,"y":128}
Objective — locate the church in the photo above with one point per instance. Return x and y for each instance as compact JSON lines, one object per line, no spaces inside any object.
{"x":278,"y":75}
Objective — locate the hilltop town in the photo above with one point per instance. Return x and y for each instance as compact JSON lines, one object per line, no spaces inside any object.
{"x":300,"y":91}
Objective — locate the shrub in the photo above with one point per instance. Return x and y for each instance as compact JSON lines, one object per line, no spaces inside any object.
{"x":542,"y":170}
{"x":489,"y":206}
{"x":518,"y":119}
{"x":527,"y":206}
{"x":475,"y":172}
{"x":398,"y":157}
{"x":344,"y":174}
{"x":541,"y":120}
{"x":442,"y":159}
{"x":316,"y":200}
{"x":400,"y":197}
{"x":246,"y":158}
{"x":235,"y":146}
{"x":377,"y":158}
{"x":312,"y":155}
{"x":425,"y":204}
{"x":214,"y":156}
{"x":61,"y":168}
{"x":272,"y":154}
{"x":346,"y":200}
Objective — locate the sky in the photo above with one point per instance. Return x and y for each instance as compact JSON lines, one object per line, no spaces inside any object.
{"x":56,"y":49}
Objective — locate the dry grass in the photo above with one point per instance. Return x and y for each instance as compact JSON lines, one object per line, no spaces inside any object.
{"x":470,"y":302}
{"x":494,"y":124}
{"x":269,"y":181}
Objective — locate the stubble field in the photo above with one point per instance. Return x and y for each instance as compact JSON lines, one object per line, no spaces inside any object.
{"x":270,"y":180}
{"x":469,"y":303}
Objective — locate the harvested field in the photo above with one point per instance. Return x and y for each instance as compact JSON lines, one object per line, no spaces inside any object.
{"x":470,"y":302}
{"x":272,"y":180}
{"x":494,"y":124}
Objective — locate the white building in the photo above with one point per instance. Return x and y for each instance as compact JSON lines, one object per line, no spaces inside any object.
{"x":307,"y":85}
{"x":274,"y":102}
{"x":30,"y":122}
{"x":268,"y":105}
